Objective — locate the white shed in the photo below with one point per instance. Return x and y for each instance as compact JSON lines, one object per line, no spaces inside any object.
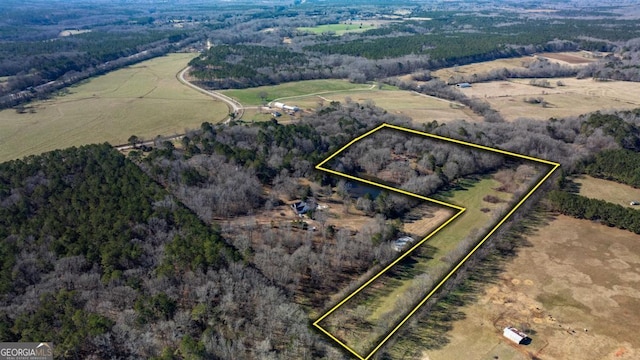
{"x":515,"y":335}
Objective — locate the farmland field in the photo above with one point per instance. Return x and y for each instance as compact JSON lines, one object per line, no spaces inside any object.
{"x":145,"y":99}
{"x":251,"y":96}
{"x":576,"y":58}
{"x":421,"y":108}
{"x":575,"y":287}
{"x":576,"y":97}
{"x":481,"y":67}
{"x":610,"y":191}
{"x":338,"y":29}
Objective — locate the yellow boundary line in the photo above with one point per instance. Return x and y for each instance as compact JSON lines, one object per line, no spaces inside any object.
{"x":406,"y":253}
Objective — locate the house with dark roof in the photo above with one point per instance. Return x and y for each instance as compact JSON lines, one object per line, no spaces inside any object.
{"x":301,"y":207}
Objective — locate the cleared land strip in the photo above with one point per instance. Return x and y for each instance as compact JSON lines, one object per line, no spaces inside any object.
{"x":373,"y":347}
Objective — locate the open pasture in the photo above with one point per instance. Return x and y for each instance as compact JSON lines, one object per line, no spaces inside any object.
{"x":254,"y":96}
{"x":576,"y":97}
{"x":606,"y":190}
{"x":574,"y":58}
{"x":482,"y":67}
{"x":145,"y":99}
{"x":419,"y":107}
{"x":574,"y":289}
{"x":338,"y":29}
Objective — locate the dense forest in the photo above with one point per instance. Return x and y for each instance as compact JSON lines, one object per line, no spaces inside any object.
{"x":101,"y":260}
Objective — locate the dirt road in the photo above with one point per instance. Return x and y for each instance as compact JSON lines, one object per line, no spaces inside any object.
{"x":234,"y":107}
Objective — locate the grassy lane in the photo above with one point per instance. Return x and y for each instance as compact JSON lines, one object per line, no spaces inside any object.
{"x":375,"y":310}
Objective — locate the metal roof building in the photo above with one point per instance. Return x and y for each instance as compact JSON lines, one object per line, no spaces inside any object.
{"x":515,"y":335}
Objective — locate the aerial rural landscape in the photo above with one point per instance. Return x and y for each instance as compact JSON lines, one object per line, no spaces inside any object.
{"x":428,"y":180}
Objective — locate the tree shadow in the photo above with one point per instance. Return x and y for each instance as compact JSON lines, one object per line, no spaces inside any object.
{"x":406,"y":268}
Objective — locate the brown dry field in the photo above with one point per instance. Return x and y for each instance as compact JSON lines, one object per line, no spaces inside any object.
{"x":578,"y":96}
{"x":569,"y":58}
{"x":481,"y":67}
{"x":578,"y":58}
{"x":576,"y":275}
{"x":419,"y":107}
{"x":610,"y":191}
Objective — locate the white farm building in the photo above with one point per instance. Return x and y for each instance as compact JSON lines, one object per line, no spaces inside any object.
{"x":283,"y":106}
{"x":516,"y":335}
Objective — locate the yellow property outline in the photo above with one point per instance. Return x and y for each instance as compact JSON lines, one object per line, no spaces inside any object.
{"x":406,"y":253}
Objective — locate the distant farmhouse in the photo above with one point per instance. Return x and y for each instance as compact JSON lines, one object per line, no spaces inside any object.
{"x":285,"y":107}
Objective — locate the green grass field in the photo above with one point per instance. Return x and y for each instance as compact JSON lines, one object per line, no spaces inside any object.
{"x":145,"y":99}
{"x":338,"y":29}
{"x":254,"y":115}
{"x":251,"y":96}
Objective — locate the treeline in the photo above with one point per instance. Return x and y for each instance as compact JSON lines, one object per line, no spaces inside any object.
{"x":244,"y":65}
{"x":52,"y":59}
{"x":619,"y":165}
{"x":64,"y":200}
{"x":420,"y":165}
{"x":592,"y":209}
{"x":623,"y":126}
{"x":623,"y":66}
